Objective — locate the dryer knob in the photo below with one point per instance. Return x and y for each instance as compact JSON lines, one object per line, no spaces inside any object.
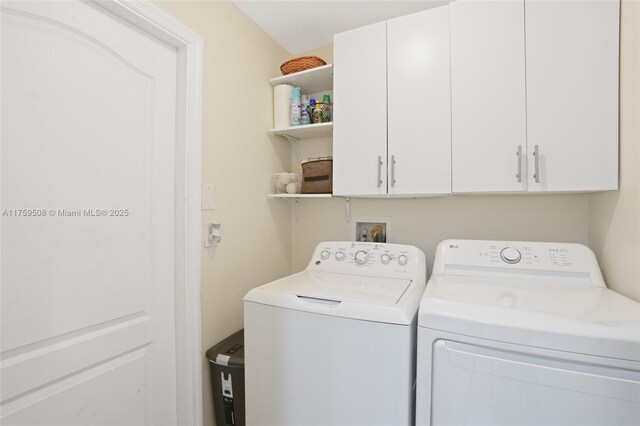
{"x":402,"y":259}
{"x":324,"y":254}
{"x":361,"y":257}
{"x":339,"y":255}
{"x":385,"y":258}
{"x":510,"y":255}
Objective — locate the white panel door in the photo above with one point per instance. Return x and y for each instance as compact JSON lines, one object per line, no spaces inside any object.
{"x":360,"y":111}
{"x":88,"y":140}
{"x":419,"y":112}
{"x":572,"y":94}
{"x":488,"y":96}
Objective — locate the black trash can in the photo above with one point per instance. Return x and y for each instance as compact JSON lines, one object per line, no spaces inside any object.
{"x":227,"y":376}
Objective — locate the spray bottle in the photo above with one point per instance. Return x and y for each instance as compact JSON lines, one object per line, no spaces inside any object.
{"x":295,"y":107}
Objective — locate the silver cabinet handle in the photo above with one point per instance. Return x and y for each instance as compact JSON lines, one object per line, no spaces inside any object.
{"x":519,"y":154}
{"x":379,"y":171}
{"x":536,"y":174}
{"x":393,"y":170}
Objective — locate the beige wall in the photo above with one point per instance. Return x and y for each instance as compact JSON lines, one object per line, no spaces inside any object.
{"x":237,"y":158}
{"x":614,"y":217}
{"x":424,"y":222}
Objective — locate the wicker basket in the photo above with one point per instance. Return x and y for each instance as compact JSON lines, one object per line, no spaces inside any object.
{"x":317,"y":176}
{"x":300,"y":64}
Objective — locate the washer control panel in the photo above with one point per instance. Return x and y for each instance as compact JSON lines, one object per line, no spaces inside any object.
{"x":367,"y":258}
{"x":533,"y":258}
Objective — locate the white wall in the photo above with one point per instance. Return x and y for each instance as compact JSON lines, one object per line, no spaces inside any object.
{"x":614,"y":217}
{"x":238,"y":159}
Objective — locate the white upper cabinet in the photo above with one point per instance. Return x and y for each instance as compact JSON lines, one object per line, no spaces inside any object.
{"x":479,"y":97}
{"x":360,"y":111}
{"x":419,"y":103}
{"x":392,"y":127}
{"x":488,"y":96}
{"x":572,"y":95}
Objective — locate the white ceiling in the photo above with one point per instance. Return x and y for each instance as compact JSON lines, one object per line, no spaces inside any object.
{"x":302,"y":25}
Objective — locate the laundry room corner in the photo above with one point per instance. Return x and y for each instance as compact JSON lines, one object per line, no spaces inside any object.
{"x":320,"y":212}
{"x":238,"y":158}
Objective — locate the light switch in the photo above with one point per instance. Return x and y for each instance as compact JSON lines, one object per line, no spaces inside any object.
{"x":207,"y":197}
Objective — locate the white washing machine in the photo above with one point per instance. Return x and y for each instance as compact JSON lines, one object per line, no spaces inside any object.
{"x":515,"y":333}
{"x":335,"y":344}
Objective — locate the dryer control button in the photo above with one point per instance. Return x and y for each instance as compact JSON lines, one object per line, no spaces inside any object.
{"x":361,"y":257}
{"x":402,"y":259}
{"x":510,"y":255}
{"x":340,"y":255}
{"x":324,"y":254}
{"x":385,"y":258}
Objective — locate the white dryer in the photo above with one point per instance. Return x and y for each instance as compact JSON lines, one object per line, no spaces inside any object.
{"x":515,"y":333}
{"x":335,"y":344}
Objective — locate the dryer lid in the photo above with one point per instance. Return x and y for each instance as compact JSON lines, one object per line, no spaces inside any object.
{"x":554,"y":315}
{"x":342,"y":287}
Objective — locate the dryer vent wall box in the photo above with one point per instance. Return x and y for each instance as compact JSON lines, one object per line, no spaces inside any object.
{"x":550,"y":342}
{"x":335,"y":344}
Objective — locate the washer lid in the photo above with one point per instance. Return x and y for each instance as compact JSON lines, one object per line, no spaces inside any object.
{"x":388,"y":300}
{"x":342,"y":287}
{"x":561,"y":316}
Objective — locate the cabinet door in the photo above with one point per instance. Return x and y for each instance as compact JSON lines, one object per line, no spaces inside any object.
{"x":488,"y":96}
{"x":360,"y":111}
{"x":419,"y":111}
{"x":572,"y":95}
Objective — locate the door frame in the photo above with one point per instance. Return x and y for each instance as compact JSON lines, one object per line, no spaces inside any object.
{"x":189,"y":46}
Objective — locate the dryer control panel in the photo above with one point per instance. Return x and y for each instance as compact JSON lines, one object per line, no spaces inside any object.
{"x":379,"y":259}
{"x":540,"y":260}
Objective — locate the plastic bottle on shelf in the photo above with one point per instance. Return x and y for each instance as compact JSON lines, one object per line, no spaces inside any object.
{"x":304,"y":113}
{"x":295,"y":107}
{"x":310,"y":108}
{"x":317,"y":114}
{"x":327,"y":109}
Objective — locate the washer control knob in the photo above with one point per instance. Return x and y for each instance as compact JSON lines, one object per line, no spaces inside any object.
{"x":385,"y":258}
{"x":361,"y":257}
{"x":402,"y":259}
{"x":510,"y":255}
{"x":325,"y":254}
{"x":340,"y":255}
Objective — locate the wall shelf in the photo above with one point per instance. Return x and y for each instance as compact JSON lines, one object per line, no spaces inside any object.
{"x":300,"y":196}
{"x":307,"y":131}
{"x":294,"y":199}
{"x":315,"y":80}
